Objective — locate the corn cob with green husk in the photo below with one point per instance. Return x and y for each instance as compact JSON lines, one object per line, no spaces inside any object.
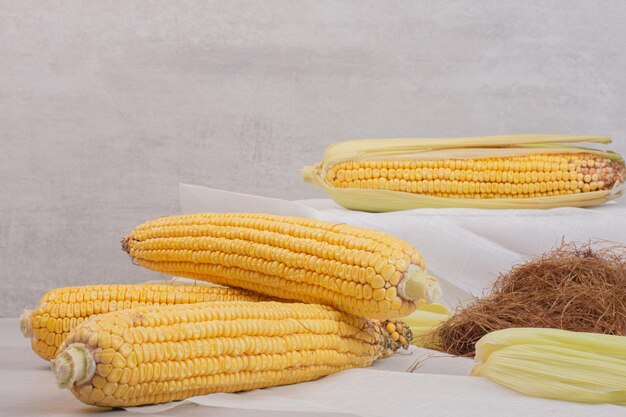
{"x":554,"y":363}
{"x":158,"y":354}
{"x":60,"y":310}
{"x":356,"y":270}
{"x":519,"y":171}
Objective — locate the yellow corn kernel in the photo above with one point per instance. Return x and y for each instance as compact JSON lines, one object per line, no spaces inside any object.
{"x":534,"y":172}
{"x":284,"y":256}
{"x":64,"y":314}
{"x":217,"y":347}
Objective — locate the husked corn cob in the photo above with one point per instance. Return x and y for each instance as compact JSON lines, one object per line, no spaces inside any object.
{"x":554,"y":363}
{"x":60,"y":310}
{"x":510,"y":171}
{"x":528,"y":176}
{"x":356,"y":270}
{"x":153,"y":355}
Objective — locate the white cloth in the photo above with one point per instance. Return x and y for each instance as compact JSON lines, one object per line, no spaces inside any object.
{"x":376,"y":393}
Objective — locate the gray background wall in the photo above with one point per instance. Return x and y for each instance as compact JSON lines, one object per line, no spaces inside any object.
{"x":106,"y":106}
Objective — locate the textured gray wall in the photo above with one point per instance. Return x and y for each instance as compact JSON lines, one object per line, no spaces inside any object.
{"x":106,"y":106}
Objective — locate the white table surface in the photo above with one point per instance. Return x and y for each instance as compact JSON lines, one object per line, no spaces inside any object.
{"x":438,"y":387}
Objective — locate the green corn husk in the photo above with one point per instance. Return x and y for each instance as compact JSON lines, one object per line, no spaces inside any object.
{"x":603,"y":344}
{"x":377,"y":200}
{"x":423,"y":322}
{"x":556,"y":364}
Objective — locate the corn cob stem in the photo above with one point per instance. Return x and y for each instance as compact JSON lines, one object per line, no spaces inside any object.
{"x":419,"y":285}
{"x":25,"y":327}
{"x":74,"y":366}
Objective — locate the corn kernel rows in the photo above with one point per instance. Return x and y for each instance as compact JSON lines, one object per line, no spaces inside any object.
{"x":383,"y":257}
{"x":280,"y":231}
{"x":178,"y":351}
{"x":281,"y":259}
{"x":299,"y":284}
{"x":256,"y":320}
{"x":225,"y":249}
{"x":61,"y":310}
{"x":522,"y":176}
{"x":124,"y":395}
{"x":274,"y":246}
{"x":376,"y":270}
{"x":294,"y":226}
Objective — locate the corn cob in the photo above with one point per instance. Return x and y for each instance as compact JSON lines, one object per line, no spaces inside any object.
{"x":62,"y":309}
{"x":508,"y":173}
{"x":554,"y":363}
{"x":356,"y":270}
{"x":153,"y":355}
{"x":540,"y":175}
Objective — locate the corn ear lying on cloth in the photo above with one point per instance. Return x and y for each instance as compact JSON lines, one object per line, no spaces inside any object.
{"x":60,"y":310}
{"x":153,"y":355}
{"x":554,"y":363}
{"x":499,"y":172}
{"x":356,"y":270}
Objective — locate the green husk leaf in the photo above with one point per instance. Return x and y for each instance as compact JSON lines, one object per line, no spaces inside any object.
{"x":356,"y":149}
{"x":558,"y":373}
{"x":423,"y":323}
{"x":602,"y":344}
{"x":385,"y":200}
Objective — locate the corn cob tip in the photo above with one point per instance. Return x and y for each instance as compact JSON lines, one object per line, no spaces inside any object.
{"x":397,"y":335}
{"x":25,"y":326}
{"x":419,"y":285}
{"x":125,"y":245}
{"x":73,"y":366}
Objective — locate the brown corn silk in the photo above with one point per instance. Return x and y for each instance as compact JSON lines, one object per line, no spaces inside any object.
{"x":573,"y":287}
